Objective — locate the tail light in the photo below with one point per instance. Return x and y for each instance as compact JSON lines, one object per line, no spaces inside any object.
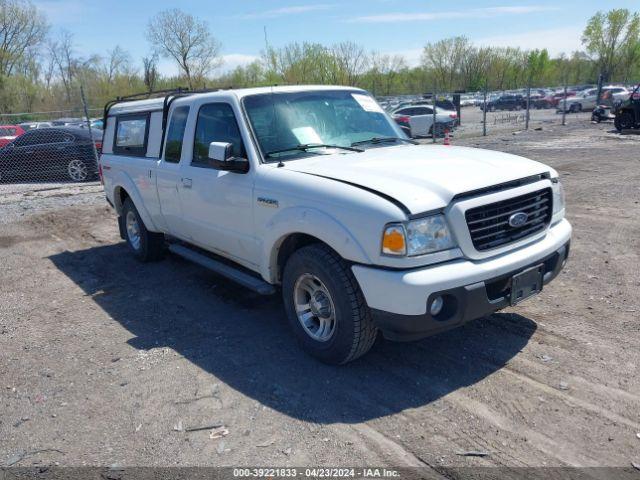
{"x":98,"y":146}
{"x":453,"y":115}
{"x":402,"y":119}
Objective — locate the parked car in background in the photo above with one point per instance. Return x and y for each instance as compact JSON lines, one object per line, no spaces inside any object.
{"x":35,"y":125}
{"x":56,"y":153}
{"x":8,"y":133}
{"x":506,"y":102}
{"x":467,"y":101}
{"x":585,"y":100}
{"x":618,"y":94}
{"x":69,"y":122}
{"x":98,"y":124}
{"x":558,"y":96}
{"x":417,"y":120}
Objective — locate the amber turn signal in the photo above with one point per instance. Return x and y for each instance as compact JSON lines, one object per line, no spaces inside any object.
{"x":393,"y":241}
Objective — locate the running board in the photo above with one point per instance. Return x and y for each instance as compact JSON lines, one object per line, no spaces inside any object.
{"x":234,"y":274}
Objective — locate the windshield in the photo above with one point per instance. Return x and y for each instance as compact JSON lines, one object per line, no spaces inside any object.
{"x":284,"y":121}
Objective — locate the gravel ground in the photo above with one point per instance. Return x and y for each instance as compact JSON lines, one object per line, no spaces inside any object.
{"x":104,"y":361}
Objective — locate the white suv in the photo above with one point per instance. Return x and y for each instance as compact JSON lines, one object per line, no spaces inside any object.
{"x":315,"y":191}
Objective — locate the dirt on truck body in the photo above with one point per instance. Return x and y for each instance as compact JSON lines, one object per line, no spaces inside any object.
{"x":109,"y":362}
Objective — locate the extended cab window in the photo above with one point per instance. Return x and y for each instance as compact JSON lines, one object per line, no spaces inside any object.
{"x":131,"y":135}
{"x":175,"y":134}
{"x":216,"y":123}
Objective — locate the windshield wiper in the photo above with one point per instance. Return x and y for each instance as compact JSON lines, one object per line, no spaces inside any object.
{"x":306,"y":146}
{"x":376,"y":140}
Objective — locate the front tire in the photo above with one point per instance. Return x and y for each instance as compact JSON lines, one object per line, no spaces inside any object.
{"x":146,"y":246}
{"x":325,"y":306}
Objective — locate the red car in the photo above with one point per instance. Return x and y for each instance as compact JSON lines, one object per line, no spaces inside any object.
{"x":8,"y":133}
{"x":558,"y":97}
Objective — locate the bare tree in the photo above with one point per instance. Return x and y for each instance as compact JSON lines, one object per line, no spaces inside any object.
{"x":150,"y":65}
{"x":22,"y":27}
{"x":118,"y":62}
{"x":61,"y":52}
{"x":446,"y":58}
{"x":384,"y":70}
{"x":182,"y":37}
{"x":351,"y":60}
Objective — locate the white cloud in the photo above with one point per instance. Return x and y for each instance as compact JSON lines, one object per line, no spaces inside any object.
{"x":556,"y":41}
{"x":488,"y":12}
{"x":290,"y":10}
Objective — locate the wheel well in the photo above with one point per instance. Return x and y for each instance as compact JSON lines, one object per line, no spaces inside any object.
{"x":289,"y":245}
{"x":121,"y":195}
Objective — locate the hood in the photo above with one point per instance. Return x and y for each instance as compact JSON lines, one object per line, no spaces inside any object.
{"x":421,"y":177}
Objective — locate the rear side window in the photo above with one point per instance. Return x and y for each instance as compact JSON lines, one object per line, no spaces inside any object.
{"x":43,"y":137}
{"x":131,"y":135}
{"x":7,"y":132}
{"x":216,"y":123}
{"x":29,"y":138}
{"x":175,"y":134}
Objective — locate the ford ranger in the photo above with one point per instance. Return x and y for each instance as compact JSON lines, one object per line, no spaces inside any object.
{"x":316,"y":192}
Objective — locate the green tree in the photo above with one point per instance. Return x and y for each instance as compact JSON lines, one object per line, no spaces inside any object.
{"x":612,"y":38}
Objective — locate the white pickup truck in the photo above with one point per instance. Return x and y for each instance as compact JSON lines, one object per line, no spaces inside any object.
{"x":316,"y":192}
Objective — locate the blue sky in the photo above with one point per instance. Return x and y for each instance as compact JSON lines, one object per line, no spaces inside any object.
{"x":387,"y":26}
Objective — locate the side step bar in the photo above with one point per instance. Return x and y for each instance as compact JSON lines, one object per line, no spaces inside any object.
{"x":234,"y":274}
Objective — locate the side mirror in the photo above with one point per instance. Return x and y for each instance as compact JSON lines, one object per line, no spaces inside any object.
{"x":221,"y":156}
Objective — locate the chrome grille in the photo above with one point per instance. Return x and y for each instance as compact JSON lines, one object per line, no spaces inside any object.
{"x":489,"y":224}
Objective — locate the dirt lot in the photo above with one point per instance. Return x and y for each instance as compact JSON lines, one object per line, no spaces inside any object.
{"x":104,"y":361}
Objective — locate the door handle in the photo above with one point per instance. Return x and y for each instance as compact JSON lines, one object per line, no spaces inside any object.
{"x":187,"y":182}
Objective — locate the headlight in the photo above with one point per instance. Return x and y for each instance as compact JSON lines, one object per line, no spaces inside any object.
{"x":558,"y":196}
{"x":417,"y":237}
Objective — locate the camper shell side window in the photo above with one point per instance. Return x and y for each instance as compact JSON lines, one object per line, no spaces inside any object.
{"x":131,"y":134}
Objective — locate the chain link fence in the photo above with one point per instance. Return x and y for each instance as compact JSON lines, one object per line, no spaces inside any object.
{"x":56,"y":147}
{"x":487,"y":113}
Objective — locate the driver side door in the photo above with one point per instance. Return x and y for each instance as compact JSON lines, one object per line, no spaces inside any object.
{"x":217,"y":204}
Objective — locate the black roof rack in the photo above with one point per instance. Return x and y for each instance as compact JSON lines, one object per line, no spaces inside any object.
{"x":168,"y":93}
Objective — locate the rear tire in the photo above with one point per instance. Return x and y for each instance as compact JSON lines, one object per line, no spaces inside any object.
{"x":624,"y":121}
{"x":77,"y":170}
{"x":325,"y":306}
{"x":146,"y":246}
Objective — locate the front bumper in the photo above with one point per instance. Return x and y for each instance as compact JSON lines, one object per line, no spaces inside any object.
{"x":471,"y":289}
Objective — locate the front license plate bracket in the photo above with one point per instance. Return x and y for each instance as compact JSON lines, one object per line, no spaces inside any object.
{"x":526,"y":284}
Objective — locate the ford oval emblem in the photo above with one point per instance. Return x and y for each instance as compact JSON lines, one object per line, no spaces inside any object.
{"x":518,"y":219}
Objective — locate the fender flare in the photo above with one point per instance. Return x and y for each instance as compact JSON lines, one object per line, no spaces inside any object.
{"x":125,"y":183}
{"x":308,"y":221}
